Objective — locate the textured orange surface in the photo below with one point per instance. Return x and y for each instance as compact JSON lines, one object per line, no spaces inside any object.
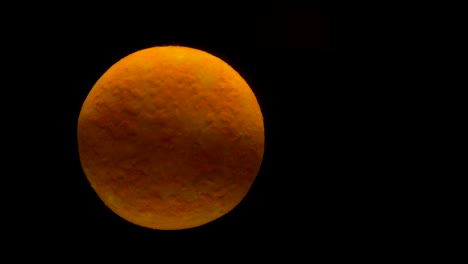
{"x":171,"y":138}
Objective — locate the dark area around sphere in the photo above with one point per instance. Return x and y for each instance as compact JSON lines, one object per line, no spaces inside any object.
{"x":304,"y":64}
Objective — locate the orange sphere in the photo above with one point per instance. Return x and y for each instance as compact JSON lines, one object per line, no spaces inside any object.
{"x":171,"y":138}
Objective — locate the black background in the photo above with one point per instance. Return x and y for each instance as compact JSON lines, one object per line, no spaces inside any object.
{"x":319,"y":188}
